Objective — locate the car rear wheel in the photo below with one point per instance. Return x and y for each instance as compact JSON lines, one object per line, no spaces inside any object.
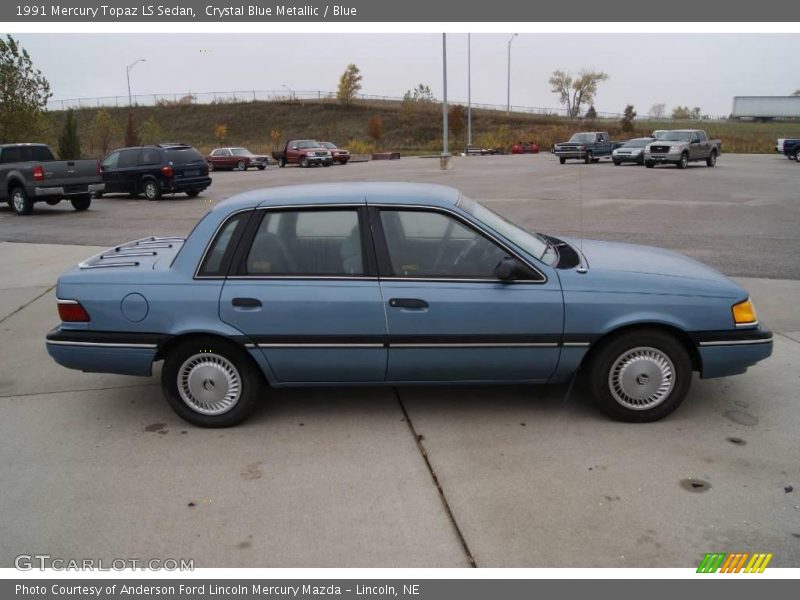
{"x":20,"y":202}
{"x":152,"y":191}
{"x":640,"y":376}
{"x":241,"y":166}
{"x":282,"y":163}
{"x":684,"y":161}
{"x":210,"y":382}
{"x":81,"y":204}
{"x":712,"y":159}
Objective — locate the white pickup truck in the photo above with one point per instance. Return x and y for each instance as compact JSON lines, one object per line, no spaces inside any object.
{"x":679,"y":147}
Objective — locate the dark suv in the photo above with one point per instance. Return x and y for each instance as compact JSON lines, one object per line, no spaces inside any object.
{"x":156,"y":170}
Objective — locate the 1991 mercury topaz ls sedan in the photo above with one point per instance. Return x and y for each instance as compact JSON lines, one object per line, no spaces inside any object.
{"x":396,"y":283}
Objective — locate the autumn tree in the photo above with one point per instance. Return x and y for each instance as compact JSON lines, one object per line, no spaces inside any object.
{"x":456,"y":119}
{"x":102,"y":130}
{"x":152,"y":132}
{"x":220,"y":132}
{"x":275,"y":137}
{"x":681,"y":112}
{"x":574,"y":92}
{"x":132,"y":132}
{"x":375,"y":128}
{"x":24,"y":92}
{"x":349,"y":85}
{"x":69,"y":145}
{"x":627,"y":119}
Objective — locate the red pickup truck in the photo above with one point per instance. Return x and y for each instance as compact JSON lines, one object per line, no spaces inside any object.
{"x":304,"y":153}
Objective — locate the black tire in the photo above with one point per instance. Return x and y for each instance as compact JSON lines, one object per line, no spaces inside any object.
{"x":229,"y":360}
{"x":20,"y":202}
{"x":151,"y":189}
{"x":241,"y":166}
{"x":649,"y":164}
{"x":343,"y":162}
{"x":304,"y":163}
{"x":98,"y":195}
{"x":617,"y":163}
{"x":712,"y":159}
{"x":589,"y":157}
{"x":282,"y":162}
{"x":683,"y":162}
{"x":327,"y":164}
{"x":81,"y":204}
{"x":261,"y":168}
{"x":193,"y":193}
{"x":797,"y":156}
{"x":53,"y":201}
{"x":617,"y":388}
{"x":210,"y":166}
{"x":562,"y":160}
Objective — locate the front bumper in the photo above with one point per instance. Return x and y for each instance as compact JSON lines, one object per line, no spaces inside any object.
{"x":570,"y":153}
{"x":627,"y":157}
{"x":663,"y":157}
{"x":731,"y":352}
{"x":318,"y":159}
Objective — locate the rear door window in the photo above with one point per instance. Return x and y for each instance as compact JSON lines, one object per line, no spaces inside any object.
{"x":128,"y":158}
{"x":150,"y":156}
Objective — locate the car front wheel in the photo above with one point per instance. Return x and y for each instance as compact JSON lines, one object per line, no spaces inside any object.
{"x":210,"y":382}
{"x":562,"y":160}
{"x":712,"y":159}
{"x":684,"y":161}
{"x":640,"y":376}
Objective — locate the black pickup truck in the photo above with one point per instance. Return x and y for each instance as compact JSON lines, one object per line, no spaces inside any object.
{"x":588,"y":146}
{"x":29,"y":173}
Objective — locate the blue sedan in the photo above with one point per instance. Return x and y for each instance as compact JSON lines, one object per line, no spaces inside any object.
{"x":396,"y":283}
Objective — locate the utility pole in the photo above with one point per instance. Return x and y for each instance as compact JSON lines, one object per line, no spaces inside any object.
{"x":445,"y":159}
{"x":469,"y":92}
{"x":508,"y":102}
{"x":128,"y":76}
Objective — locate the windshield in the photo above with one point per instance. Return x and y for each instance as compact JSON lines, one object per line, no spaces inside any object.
{"x":582,"y":137}
{"x":307,"y":144}
{"x":637,"y":143}
{"x":241,"y":151}
{"x":676,"y":136}
{"x":532,"y":244}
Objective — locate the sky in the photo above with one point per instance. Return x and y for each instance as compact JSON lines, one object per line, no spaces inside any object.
{"x":705,"y":70}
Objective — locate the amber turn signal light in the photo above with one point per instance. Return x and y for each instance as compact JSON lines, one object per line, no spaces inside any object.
{"x":744,"y":313}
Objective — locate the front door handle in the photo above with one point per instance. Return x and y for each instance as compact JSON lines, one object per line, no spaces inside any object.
{"x":407,"y":303}
{"x":246,"y":302}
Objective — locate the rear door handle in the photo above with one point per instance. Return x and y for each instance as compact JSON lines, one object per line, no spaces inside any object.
{"x":407,"y":303}
{"x":246,"y":302}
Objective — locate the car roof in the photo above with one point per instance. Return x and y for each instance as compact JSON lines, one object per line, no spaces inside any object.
{"x":351,"y":192}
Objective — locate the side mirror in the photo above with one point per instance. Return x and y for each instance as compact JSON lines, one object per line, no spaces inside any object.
{"x":509,"y":269}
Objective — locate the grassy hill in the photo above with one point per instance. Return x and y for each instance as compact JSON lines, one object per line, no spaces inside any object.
{"x":250,"y":123}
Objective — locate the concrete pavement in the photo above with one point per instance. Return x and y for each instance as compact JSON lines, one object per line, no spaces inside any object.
{"x":99,"y":466}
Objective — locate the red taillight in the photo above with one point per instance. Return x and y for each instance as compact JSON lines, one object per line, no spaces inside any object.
{"x":99,"y":168}
{"x":167,"y":171}
{"x":71,"y":311}
{"x":38,"y":173}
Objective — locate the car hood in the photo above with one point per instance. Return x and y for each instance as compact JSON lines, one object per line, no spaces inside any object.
{"x":646,"y":260}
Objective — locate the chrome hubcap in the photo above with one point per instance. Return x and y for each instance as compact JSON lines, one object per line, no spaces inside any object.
{"x":209,"y":384}
{"x":641,"y":378}
{"x":150,"y":190}
{"x":19,"y":202}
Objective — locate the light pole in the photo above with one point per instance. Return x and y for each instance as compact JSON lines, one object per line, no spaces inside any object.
{"x":469,"y":92}
{"x":291,"y":91}
{"x":508,"y":101}
{"x":128,"y":76}
{"x":445,"y":151}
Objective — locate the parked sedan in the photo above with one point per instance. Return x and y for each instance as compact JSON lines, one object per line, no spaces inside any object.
{"x":340,"y":155}
{"x":397,"y":283}
{"x":240,"y":159}
{"x":631,"y":151}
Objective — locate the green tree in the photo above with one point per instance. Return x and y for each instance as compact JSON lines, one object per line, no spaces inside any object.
{"x":102,"y":130}
{"x":24,"y":92}
{"x":349,"y":85}
{"x":69,"y":145}
{"x":417,"y":104}
{"x":695,"y":113}
{"x":132,"y":132}
{"x":574,"y":92}
{"x":627,"y":119}
{"x":152,"y":132}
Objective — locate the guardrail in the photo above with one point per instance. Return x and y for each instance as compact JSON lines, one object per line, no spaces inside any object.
{"x":316,"y":96}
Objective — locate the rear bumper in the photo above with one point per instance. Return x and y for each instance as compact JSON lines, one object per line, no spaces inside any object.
{"x":103,"y":353}
{"x":190,"y":183}
{"x":731,"y":352}
{"x":61,"y":192}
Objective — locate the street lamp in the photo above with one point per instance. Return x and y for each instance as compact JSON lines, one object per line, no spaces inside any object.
{"x":128,"y":75}
{"x":469,"y":92}
{"x":508,"y":102}
{"x":290,"y":90}
{"x":445,"y":159}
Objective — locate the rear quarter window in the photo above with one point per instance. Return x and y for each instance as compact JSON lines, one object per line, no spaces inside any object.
{"x":223,"y":246}
{"x":184,"y":156}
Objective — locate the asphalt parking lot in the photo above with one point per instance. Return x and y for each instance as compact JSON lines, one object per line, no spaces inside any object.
{"x":99,"y":466}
